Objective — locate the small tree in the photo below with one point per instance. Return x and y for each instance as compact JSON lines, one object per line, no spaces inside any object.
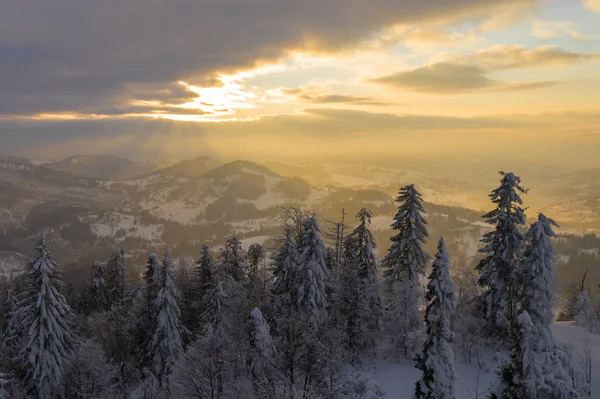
{"x":89,"y":374}
{"x":436,"y":362}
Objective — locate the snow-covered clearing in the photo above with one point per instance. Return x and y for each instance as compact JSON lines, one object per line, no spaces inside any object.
{"x":247,"y":242}
{"x":398,"y":379}
{"x":120,"y":226}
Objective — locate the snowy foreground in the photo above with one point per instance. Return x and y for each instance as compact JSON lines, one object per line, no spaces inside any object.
{"x":398,"y":379}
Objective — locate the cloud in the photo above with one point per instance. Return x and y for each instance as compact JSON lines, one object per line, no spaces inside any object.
{"x":469,"y":73}
{"x":319,"y":94}
{"x":443,"y":77}
{"x":56,"y":53}
{"x":504,"y":57}
{"x":554,"y":29}
{"x":593,"y":5}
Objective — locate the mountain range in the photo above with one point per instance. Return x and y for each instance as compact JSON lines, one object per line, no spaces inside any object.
{"x":90,"y":205}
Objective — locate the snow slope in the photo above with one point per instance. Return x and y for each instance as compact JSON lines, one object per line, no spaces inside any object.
{"x":398,"y":379}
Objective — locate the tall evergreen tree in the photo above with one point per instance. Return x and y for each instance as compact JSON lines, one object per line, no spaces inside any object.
{"x":436,"y":362}
{"x":255,"y":286}
{"x":311,"y":281}
{"x":403,"y":265}
{"x":285,"y":264}
{"x":231,"y":260}
{"x":115,"y":277}
{"x":44,"y":311}
{"x":166,"y":343}
{"x":537,"y":279}
{"x":9,"y":307}
{"x":98,"y":290}
{"x":204,"y":272}
{"x":146,"y":316}
{"x":503,"y":250}
{"x":360,"y":301}
{"x":407,"y":259}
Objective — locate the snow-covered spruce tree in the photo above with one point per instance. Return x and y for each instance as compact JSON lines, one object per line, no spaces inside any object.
{"x":520,"y":377}
{"x":231,"y":260}
{"x":403,"y":265}
{"x":166,"y":343}
{"x":115,"y":277}
{"x":255,"y":285}
{"x":100,"y":301}
{"x":503,"y":250}
{"x":146,"y":316}
{"x":537,"y":274}
{"x":556,"y":382}
{"x":204,"y":275}
{"x":285,"y":264}
{"x":43,"y":312}
{"x":10,"y":325}
{"x":312,"y":279}
{"x":360,"y":302}
{"x":436,"y":362}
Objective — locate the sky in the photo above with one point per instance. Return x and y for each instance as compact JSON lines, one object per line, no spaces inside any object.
{"x":292,"y":79}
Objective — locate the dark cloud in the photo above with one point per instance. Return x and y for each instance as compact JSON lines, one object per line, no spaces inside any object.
{"x":57,"y":55}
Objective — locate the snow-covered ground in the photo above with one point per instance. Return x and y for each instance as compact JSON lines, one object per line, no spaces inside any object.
{"x":398,"y":379}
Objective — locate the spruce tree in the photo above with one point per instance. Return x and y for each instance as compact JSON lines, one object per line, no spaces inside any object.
{"x":361,"y":304}
{"x":100,"y":300}
{"x":255,"y":288}
{"x":285,"y":264}
{"x":47,"y":336}
{"x":204,"y":273}
{"x":146,"y":315}
{"x":311,"y":281}
{"x":404,"y":264}
{"x":231,"y":261}
{"x":537,"y":280}
{"x":503,"y":250}
{"x":115,"y":277}
{"x":436,"y":362}
{"x":166,"y":342}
